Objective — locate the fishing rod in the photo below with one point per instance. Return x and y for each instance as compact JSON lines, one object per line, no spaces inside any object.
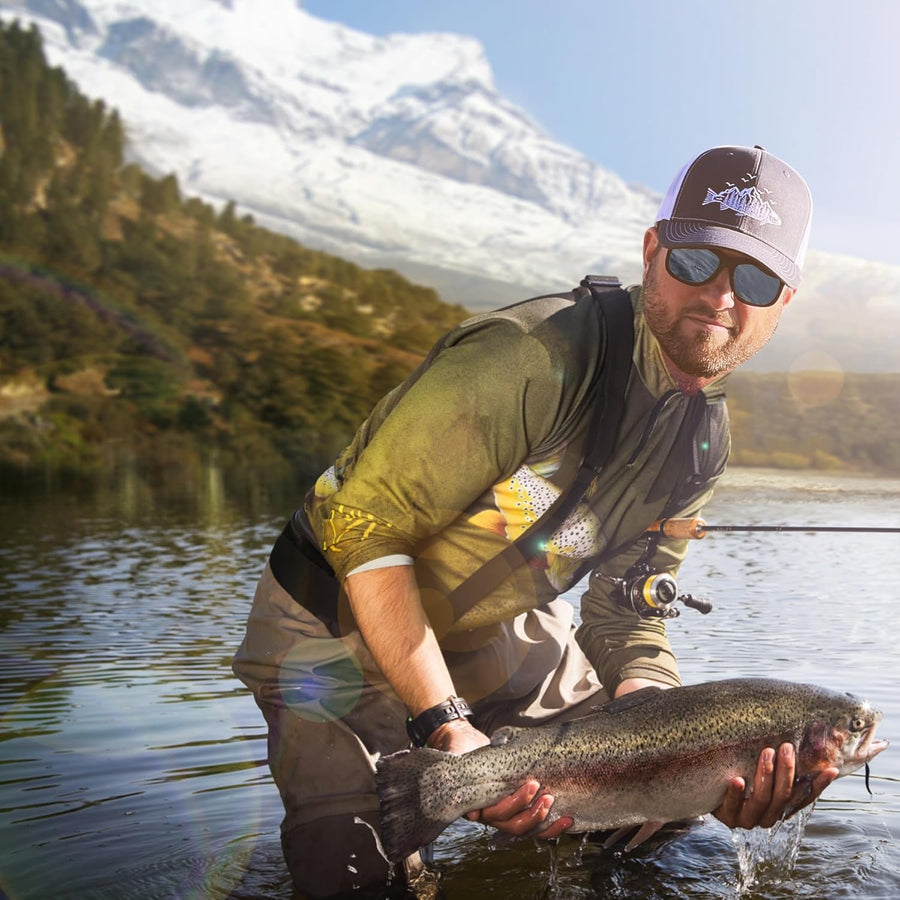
{"x":696,"y":528}
{"x":653,"y":594}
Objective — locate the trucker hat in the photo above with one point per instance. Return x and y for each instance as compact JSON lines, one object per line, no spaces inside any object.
{"x":743,"y":199}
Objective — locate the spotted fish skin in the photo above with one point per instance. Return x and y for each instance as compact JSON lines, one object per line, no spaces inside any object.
{"x":652,"y":756}
{"x":526,"y":496}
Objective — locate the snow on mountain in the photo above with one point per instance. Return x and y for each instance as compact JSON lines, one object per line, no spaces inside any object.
{"x":395,"y":147}
{"x":392,"y":150}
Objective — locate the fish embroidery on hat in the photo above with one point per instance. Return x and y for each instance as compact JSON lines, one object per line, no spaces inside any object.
{"x":748,"y":201}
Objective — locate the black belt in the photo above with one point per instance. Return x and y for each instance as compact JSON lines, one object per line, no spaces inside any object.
{"x":304,"y":573}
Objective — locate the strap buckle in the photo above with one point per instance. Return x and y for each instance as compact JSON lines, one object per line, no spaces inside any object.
{"x":601,"y":282}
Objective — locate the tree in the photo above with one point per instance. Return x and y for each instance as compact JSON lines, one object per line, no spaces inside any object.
{"x":160,"y":196}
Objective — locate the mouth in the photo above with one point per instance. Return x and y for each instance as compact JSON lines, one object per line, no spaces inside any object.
{"x":710,"y":323}
{"x":869,"y":746}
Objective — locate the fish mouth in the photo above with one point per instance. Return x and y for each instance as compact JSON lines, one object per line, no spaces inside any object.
{"x":869,"y":746}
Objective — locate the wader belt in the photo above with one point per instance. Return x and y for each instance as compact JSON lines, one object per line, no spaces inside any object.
{"x":303,"y":572}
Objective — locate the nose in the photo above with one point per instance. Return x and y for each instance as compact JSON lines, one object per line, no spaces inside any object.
{"x":718,"y":291}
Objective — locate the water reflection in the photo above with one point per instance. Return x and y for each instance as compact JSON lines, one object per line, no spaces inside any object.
{"x":131,"y":757}
{"x":133,"y":763}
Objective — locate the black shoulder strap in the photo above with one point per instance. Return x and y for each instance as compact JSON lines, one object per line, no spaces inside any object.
{"x":618,"y":316}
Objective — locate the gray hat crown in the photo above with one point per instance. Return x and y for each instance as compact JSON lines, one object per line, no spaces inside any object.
{"x":742,"y":199}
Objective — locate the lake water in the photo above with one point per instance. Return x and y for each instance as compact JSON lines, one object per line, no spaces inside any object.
{"x":132,"y":762}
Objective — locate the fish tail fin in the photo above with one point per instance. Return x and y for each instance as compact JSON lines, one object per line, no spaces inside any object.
{"x":405,"y":782}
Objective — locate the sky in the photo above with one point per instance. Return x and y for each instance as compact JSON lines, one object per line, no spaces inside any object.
{"x":641,"y":87}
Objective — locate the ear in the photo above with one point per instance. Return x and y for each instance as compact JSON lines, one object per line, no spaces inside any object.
{"x":788,"y":296}
{"x":651,"y":246}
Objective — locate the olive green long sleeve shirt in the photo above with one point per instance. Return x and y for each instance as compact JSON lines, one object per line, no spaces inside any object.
{"x":471,"y":449}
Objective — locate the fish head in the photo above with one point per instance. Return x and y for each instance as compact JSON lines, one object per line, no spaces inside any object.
{"x":841,"y":735}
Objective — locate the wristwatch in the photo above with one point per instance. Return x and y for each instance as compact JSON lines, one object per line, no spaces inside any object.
{"x":420,"y":728}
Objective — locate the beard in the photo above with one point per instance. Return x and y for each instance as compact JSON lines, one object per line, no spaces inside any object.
{"x":704,"y":354}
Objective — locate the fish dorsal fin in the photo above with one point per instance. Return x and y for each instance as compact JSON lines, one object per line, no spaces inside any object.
{"x":504,"y":734}
{"x":629,"y":701}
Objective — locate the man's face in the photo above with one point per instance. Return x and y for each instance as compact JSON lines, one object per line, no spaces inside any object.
{"x":703,"y":329}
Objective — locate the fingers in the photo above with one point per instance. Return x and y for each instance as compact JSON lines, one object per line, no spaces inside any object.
{"x":560,"y":826}
{"x":509,"y":806}
{"x":775,"y":793}
{"x":530,"y":821}
{"x":769,"y":795}
{"x":771,"y":789}
{"x":522,"y":812}
{"x":740,"y":811}
{"x":776,"y":790}
{"x":730,"y":809}
{"x":821,"y":781}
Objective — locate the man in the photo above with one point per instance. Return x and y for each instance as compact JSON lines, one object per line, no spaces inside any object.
{"x":356,"y":628}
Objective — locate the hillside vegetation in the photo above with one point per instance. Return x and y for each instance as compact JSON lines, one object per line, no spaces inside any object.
{"x":139,"y":326}
{"x":142,"y":328}
{"x":816,"y":420}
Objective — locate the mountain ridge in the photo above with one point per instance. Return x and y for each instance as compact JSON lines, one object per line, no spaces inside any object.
{"x":399,"y":151}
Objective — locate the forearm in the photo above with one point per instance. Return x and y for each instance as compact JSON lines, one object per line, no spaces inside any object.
{"x":389,"y":613}
{"x":635,"y":684}
{"x":622,"y":647}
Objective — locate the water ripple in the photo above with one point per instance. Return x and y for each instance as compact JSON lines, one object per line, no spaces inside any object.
{"x":133,"y":761}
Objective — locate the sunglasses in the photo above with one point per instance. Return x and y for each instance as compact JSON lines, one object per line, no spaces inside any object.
{"x":751,"y":283}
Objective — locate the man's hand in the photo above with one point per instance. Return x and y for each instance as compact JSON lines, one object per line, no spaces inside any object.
{"x":527,"y":808}
{"x":522,"y":812}
{"x":774,"y":795}
{"x":518,"y":814}
{"x":457,"y":736}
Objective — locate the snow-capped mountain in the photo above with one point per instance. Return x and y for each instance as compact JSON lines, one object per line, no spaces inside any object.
{"x":394,"y":150}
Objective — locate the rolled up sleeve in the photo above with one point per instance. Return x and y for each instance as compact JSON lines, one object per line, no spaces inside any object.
{"x":618,"y":642}
{"x":468,"y":421}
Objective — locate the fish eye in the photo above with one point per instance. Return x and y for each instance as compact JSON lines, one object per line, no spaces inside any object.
{"x":858,"y":723}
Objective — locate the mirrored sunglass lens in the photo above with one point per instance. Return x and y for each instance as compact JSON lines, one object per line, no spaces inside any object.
{"x":754,"y":286}
{"x":693,"y":266}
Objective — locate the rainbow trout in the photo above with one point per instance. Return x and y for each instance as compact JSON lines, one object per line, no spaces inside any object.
{"x":654,"y":756}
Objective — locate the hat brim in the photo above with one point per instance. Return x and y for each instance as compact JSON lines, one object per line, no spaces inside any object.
{"x":693,"y":233}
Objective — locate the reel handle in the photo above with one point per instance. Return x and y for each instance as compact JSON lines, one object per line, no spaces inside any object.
{"x":702,"y":605}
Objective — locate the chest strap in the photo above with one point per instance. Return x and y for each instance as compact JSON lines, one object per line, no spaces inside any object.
{"x":618,"y":340}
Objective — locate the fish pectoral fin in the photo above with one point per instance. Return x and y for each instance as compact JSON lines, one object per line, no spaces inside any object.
{"x":617,"y":836}
{"x":645,"y":831}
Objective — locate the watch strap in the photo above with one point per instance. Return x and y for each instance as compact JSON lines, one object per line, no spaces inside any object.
{"x":420,"y":728}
